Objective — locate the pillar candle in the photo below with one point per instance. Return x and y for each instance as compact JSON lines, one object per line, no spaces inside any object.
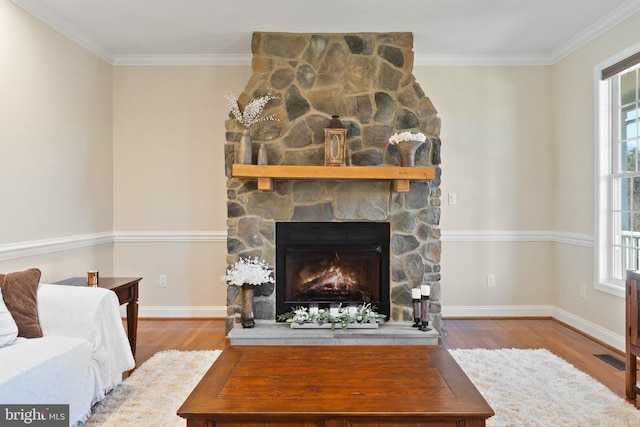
{"x":425,"y":290}
{"x":415,"y":293}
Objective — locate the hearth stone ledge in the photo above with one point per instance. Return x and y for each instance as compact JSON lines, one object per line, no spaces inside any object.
{"x":269,"y":332}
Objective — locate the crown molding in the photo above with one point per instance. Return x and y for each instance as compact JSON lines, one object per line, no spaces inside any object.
{"x":601,"y":26}
{"x":62,"y":25}
{"x":465,"y":60}
{"x":419,"y":60}
{"x":181,"y":60}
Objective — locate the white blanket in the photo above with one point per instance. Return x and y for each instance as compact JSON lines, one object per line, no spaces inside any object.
{"x":80,"y":358}
{"x":48,"y":370}
{"x":92,"y":314}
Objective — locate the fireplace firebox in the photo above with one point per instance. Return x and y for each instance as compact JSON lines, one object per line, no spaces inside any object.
{"x":331,"y":263}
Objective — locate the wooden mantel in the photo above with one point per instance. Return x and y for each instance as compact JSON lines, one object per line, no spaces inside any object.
{"x":401,"y":176}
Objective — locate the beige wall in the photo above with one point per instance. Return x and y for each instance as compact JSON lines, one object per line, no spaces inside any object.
{"x":56,"y":152}
{"x":169,"y":178}
{"x":497,"y":158}
{"x":574,"y":134}
{"x":496,"y":143}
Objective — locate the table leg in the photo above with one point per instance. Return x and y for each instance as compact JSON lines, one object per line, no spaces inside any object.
{"x":132,"y":323}
{"x":631,"y":379}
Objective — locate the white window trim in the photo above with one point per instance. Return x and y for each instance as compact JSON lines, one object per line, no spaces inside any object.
{"x":603,"y":200}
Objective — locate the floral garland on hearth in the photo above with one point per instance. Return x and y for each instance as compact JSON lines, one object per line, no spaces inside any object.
{"x":342,"y":316}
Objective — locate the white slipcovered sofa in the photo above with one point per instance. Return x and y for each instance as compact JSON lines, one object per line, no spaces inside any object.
{"x":80,"y":357}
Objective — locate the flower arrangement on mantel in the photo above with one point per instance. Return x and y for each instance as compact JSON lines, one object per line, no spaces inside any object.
{"x":407,"y":136}
{"x":252,"y":113}
{"x":407,"y":143}
{"x":250,"y":271}
{"x":343,"y":316}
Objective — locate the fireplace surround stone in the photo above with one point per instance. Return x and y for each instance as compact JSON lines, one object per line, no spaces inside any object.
{"x":366,"y":79}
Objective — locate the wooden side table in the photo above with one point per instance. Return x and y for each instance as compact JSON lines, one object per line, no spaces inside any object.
{"x":126,"y":288}
{"x":632,"y":323}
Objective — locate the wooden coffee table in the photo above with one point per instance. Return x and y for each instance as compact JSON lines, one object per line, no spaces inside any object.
{"x":335,"y":386}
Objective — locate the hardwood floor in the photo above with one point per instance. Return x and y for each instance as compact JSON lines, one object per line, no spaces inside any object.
{"x":209,"y":334}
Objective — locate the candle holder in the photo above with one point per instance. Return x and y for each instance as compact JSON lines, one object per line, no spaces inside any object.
{"x":425,"y":314}
{"x":416,"y":312}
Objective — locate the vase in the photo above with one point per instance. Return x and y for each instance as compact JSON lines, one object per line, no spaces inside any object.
{"x":407,"y":150}
{"x":247,"y":306}
{"x":244,"y":148}
{"x":263,"y":157}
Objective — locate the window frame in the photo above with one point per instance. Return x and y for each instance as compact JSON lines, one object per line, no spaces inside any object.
{"x":604,"y":200}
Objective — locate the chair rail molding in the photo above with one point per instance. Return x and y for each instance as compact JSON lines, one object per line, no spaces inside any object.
{"x":56,"y":244}
{"x":43,"y":246}
{"x":517,"y":236}
{"x":170,"y":236}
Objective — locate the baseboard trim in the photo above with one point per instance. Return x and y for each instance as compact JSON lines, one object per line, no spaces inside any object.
{"x":591,"y":329}
{"x":586,"y":327}
{"x":179,"y":312}
{"x":498,"y":311}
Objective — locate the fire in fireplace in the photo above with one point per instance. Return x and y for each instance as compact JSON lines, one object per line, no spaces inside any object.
{"x":327,"y":263}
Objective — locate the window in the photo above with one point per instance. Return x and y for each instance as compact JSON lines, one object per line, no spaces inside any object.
{"x":619,"y":174}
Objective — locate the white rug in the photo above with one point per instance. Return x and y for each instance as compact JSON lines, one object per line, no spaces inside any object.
{"x":152,"y":395}
{"x":537,"y":388}
{"x":524,"y":388}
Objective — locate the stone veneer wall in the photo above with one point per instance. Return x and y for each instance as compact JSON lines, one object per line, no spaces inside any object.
{"x":367,"y":80}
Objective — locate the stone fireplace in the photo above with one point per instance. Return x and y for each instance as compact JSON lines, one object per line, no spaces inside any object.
{"x":367,"y":80}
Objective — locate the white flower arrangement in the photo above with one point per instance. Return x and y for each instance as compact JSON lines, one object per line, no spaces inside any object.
{"x":253,"y":271}
{"x":343,"y":316}
{"x":252,"y":112}
{"x":407,"y":136}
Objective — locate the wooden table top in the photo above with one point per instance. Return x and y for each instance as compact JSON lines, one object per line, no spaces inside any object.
{"x":288,"y":383}
{"x":103,"y":282}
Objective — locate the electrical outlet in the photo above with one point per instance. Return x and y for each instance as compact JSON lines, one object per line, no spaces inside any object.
{"x":491,"y":280}
{"x":453,"y":198}
{"x":162,"y":282}
{"x":583,"y":290}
